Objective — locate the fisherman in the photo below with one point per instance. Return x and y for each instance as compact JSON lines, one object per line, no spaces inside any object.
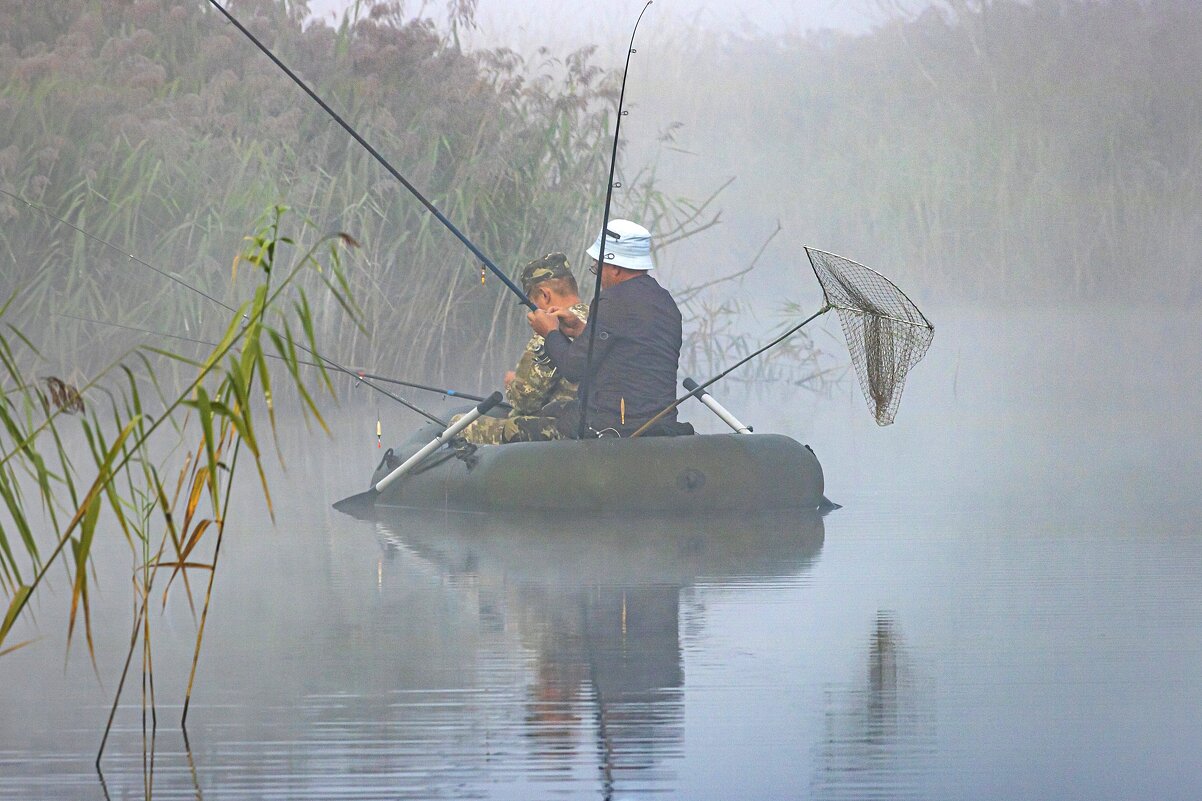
{"x":636,"y":349}
{"x":535,"y":389}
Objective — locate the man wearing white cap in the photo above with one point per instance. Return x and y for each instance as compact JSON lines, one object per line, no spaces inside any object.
{"x":636,"y":349}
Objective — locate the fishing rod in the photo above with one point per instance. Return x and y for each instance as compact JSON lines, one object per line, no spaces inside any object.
{"x":359,"y":375}
{"x":442,"y":218}
{"x":226,"y":306}
{"x":595,"y":307}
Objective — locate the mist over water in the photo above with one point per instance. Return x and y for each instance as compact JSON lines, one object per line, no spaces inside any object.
{"x":1006,"y":606}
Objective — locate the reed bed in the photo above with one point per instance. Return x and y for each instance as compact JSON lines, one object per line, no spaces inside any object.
{"x":1013,"y":150}
{"x":1046,"y":150}
{"x":153,"y":126}
{"x":159,"y":467}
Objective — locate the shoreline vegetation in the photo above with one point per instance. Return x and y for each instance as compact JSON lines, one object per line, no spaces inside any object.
{"x":990,"y":151}
{"x":1039,"y":151}
{"x":996,"y":150}
{"x":160,"y":466}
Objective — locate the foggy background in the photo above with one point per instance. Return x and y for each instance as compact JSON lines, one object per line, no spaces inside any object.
{"x":564,"y":26}
{"x":975,"y":152}
{"x":1023,"y":539}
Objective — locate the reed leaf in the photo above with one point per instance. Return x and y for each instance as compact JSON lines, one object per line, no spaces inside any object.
{"x":16,"y":603}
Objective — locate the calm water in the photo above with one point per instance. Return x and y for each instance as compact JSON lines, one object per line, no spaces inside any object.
{"x":1008,"y":607}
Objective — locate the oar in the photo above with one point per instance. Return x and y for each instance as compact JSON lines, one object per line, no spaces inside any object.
{"x":365,"y":500}
{"x":717,"y":408}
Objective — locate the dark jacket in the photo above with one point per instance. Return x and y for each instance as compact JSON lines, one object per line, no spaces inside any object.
{"x":635,"y":354}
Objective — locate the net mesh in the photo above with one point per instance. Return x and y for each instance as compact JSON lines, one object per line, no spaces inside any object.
{"x":886,"y":333}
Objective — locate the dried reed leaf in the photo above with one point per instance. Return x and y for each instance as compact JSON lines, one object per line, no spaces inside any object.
{"x":64,"y":396}
{"x":18,"y":646}
{"x":183,"y":565}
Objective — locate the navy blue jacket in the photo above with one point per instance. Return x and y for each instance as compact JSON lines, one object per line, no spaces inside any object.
{"x":635,"y":354}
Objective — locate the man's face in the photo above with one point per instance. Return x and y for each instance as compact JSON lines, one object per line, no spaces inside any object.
{"x":609,"y":274}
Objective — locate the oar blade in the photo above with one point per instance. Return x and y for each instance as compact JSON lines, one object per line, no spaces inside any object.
{"x":364,"y":503}
{"x":358,"y":505}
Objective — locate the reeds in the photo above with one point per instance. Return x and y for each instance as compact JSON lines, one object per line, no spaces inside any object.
{"x":177,"y":157}
{"x":190,"y":132}
{"x":160,"y":466}
{"x":984,"y":151}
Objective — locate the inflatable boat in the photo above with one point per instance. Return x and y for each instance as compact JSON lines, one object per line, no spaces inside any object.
{"x":694,"y":474}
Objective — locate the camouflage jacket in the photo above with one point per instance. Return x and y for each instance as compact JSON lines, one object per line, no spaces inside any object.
{"x":536,"y":382}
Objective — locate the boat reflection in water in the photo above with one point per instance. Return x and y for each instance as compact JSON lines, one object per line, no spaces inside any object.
{"x":596,"y":603}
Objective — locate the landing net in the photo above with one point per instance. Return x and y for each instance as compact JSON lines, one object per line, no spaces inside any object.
{"x":886,"y":333}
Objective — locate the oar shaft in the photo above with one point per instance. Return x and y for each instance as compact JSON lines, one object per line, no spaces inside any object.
{"x":438,"y":442}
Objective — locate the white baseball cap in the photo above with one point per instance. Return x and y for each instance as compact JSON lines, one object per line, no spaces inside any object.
{"x":627,"y":244}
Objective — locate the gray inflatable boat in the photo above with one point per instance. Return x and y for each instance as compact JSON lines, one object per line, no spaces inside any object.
{"x":696,"y":474}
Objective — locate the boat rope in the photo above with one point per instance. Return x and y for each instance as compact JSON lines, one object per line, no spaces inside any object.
{"x":442,"y":218}
{"x":328,"y":362}
{"x":602,"y":255}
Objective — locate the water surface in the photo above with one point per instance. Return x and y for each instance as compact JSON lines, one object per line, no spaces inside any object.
{"x":1006,"y":607}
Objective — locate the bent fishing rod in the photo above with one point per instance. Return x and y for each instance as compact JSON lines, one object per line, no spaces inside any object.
{"x":442,"y":218}
{"x":602,"y":255}
{"x":328,"y":362}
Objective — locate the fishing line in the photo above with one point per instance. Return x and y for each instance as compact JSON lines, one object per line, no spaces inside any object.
{"x":328,"y":362}
{"x":442,"y":218}
{"x":602,"y":255}
{"x":359,"y":375}
{"x":111,"y":246}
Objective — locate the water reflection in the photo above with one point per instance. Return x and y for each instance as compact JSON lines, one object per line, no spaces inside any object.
{"x":879,"y":736}
{"x":596,"y":604}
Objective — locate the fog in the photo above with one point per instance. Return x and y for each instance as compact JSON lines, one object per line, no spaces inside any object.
{"x":1006,"y":604}
{"x":566,"y":26}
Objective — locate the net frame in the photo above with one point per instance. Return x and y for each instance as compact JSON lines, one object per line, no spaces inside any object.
{"x":886,"y":333}
{"x":880,"y":324}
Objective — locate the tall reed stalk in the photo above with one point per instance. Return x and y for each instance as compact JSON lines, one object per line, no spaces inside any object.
{"x":172,"y":511}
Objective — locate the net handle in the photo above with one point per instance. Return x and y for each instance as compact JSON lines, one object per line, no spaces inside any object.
{"x":825,"y":308}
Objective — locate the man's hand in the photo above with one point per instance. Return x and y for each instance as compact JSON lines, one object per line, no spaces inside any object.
{"x":542,"y":322}
{"x":571,"y":325}
{"x":509,"y":376}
